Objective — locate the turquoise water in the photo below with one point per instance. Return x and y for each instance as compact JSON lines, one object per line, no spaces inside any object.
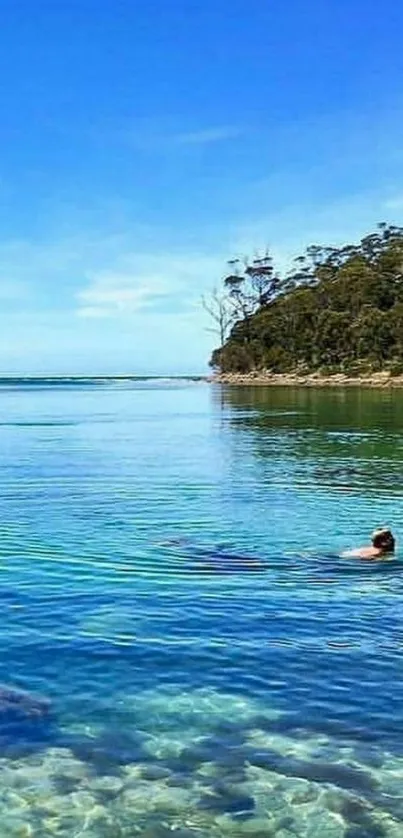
{"x":170,"y":582}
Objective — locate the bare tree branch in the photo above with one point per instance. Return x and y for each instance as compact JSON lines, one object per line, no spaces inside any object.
{"x":219,"y":306}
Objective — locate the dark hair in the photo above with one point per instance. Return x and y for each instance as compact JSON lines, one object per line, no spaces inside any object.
{"x":383,"y":539}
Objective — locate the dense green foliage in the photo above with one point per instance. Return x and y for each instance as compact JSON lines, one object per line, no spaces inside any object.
{"x":341,"y":309}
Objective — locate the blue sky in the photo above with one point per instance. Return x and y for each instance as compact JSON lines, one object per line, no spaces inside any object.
{"x":145,"y":142}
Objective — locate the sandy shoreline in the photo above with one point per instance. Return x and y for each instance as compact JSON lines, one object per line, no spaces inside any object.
{"x":262,"y":378}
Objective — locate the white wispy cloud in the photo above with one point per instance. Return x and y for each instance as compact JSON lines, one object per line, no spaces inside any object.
{"x":206,"y":136}
{"x":393,"y":204}
{"x":149,"y":136}
{"x":150,"y":282}
{"x":110,"y":294}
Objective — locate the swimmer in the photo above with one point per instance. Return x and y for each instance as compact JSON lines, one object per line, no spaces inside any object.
{"x":383,"y":544}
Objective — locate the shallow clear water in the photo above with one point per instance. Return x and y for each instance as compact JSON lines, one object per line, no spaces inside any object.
{"x":169,"y":580}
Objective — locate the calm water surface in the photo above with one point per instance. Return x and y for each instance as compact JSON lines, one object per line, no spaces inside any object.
{"x":169,"y":579}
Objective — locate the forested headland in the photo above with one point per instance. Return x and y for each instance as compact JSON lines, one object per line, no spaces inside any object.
{"x":339,"y":310}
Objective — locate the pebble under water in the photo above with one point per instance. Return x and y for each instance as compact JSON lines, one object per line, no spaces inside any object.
{"x":183,"y":651}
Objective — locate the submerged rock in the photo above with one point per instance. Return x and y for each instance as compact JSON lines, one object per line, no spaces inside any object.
{"x":369,"y":755}
{"x":224,"y":754}
{"x":323,"y":823}
{"x":179,"y":780}
{"x":302,"y":725}
{"x":107,"y":786}
{"x":26,"y":725}
{"x":65,"y":785}
{"x":299,"y":792}
{"x":259,"y":827}
{"x":369,"y":831}
{"x":336,"y":773}
{"x":108,"y":752}
{"x":343,"y":803}
{"x":162,"y":831}
{"x":228,"y":799}
{"x":154,"y":772}
{"x":22,"y":704}
{"x":145,"y":798}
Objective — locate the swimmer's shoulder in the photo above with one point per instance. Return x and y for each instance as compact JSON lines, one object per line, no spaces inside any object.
{"x":369,"y":554}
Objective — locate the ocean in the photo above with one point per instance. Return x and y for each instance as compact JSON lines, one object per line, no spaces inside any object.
{"x":184,"y":653}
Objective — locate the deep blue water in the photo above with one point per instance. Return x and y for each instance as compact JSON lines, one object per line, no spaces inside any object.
{"x":169,"y":567}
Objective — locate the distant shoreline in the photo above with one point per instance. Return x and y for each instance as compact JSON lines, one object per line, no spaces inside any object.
{"x":381,"y":380}
{"x":94,"y":379}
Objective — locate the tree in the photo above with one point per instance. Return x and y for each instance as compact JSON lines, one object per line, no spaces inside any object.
{"x":253,"y":285}
{"x":264,"y":283}
{"x":218,"y":306}
{"x":235,"y":286}
{"x":341,"y":307}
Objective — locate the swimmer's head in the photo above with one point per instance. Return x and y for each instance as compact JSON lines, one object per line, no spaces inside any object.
{"x":383,"y":539}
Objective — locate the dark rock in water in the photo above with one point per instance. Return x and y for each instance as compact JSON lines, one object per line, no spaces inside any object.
{"x":183,"y":832}
{"x":160,"y":831}
{"x":228,"y":751}
{"x":26,"y":723}
{"x":287,"y":822}
{"x":225,"y":740}
{"x":212,"y":749}
{"x":179,"y":781}
{"x":220,"y":750}
{"x":369,"y":756}
{"x":227,"y":799}
{"x":271,"y":760}
{"x":20,"y":704}
{"x":231,"y":760}
{"x":300,"y":724}
{"x":108,"y":752}
{"x":373,"y":830}
{"x":354,"y":810}
{"x":179,"y":768}
{"x":189,"y":760}
{"x":233,"y":776}
{"x":64,"y":785}
{"x":19,"y":743}
{"x":196,"y":754}
{"x":344,"y":776}
{"x":338,"y":774}
{"x":390,"y":804}
{"x":154,"y":772}
{"x":95,"y":755}
{"x":366,"y":829}
{"x":358,"y":814}
{"x":227,"y":726}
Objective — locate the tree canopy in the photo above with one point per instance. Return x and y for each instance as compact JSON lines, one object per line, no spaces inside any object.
{"x":340,"y":309}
